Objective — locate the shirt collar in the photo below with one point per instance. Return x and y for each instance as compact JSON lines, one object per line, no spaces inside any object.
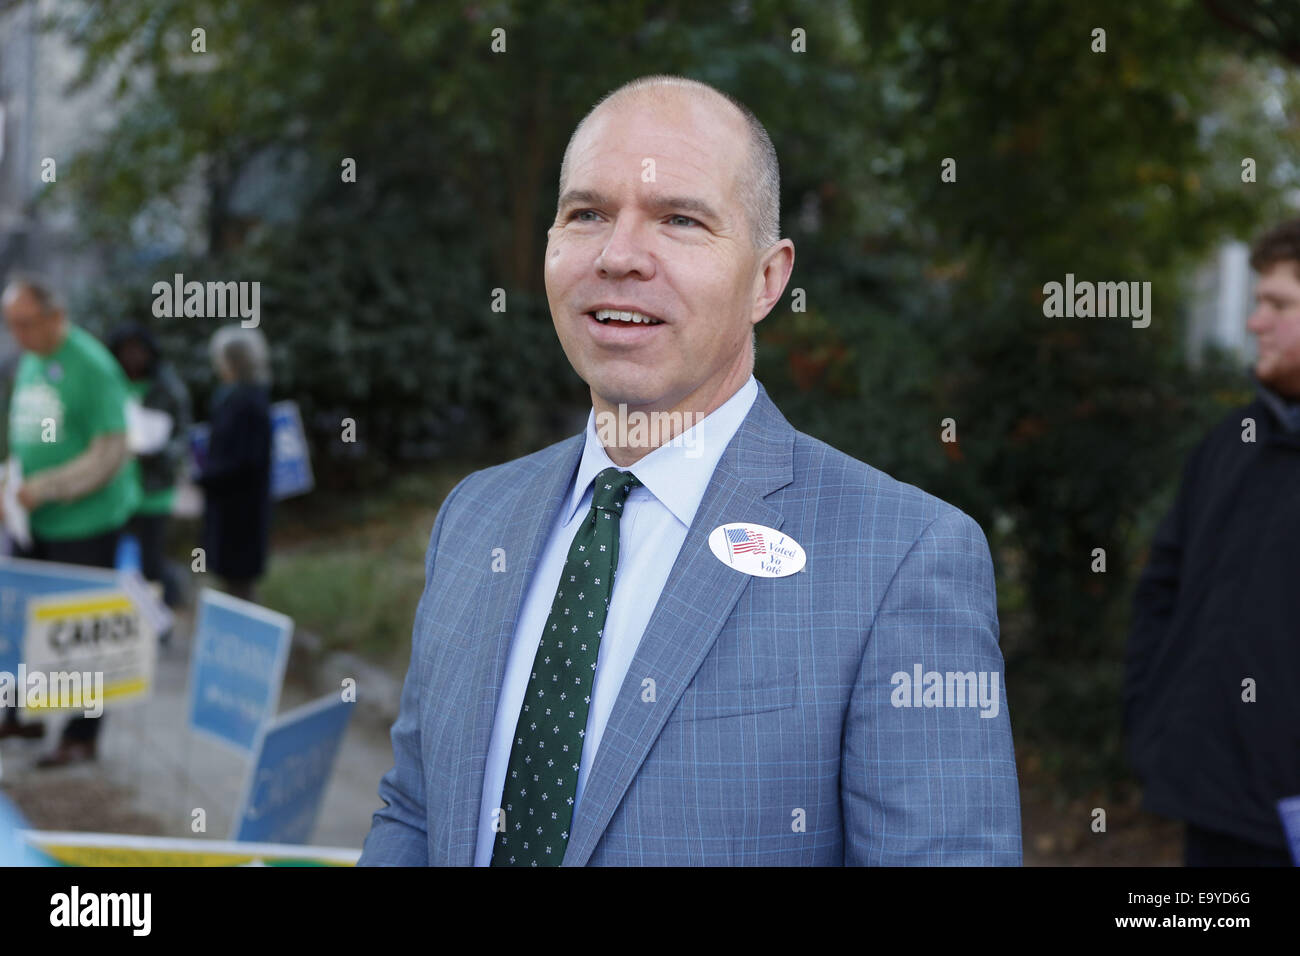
{"x":676,"y":473}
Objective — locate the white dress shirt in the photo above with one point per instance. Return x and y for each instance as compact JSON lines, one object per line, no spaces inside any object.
{"x":656,"y":517}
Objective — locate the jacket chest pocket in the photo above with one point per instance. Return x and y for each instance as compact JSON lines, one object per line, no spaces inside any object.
{"x":750,"y":672}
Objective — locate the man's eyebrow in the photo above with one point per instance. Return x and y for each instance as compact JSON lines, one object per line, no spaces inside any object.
{"x":587,"y":197}
{"x":590,"y":197}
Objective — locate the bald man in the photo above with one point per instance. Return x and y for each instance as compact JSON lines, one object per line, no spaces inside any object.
{"x":691,"y":634}
{"x":67,"y":428}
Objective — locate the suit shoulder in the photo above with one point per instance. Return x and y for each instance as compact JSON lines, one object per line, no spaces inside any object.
{"x":842,"y":486}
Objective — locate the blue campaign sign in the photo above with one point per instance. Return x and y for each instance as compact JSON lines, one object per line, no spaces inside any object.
{"x":290,"y":462}
{"x":1289,"y":811}
{"x":240,"y":650}
{"x":291,"y":768}
{"x":21,"y":580}
{"x":291,"y":472}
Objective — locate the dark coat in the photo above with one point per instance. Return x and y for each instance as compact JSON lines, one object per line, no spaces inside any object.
{"x":236,"y":480}
{"x":1219,"y":602}
{"x":166,"y":393}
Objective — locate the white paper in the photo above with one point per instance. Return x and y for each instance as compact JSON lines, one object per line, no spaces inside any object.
{"x":147,"y":429}
{"x":17,"y":522}
{"x":188,"y":500}
{"x":148,"y":599}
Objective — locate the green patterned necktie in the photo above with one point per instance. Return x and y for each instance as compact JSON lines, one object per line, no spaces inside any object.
{"x":542,"y":776}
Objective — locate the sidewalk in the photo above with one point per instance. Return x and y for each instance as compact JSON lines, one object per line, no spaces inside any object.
{"x":152,"y":772}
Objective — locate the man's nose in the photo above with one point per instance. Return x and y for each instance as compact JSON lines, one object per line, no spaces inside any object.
{"x":625,"y":252}
{"x":1258,"y":320}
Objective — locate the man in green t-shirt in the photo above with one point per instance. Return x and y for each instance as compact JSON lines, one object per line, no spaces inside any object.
{"x":67,"y":430}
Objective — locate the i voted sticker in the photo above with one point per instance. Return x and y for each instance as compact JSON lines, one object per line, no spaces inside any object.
{"x":757,"y":550}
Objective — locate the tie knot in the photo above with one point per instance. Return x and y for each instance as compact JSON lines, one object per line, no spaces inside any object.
{"x":611,"y":489}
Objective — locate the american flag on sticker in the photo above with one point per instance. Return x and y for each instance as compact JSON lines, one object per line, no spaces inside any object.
{"x":744,"y":541}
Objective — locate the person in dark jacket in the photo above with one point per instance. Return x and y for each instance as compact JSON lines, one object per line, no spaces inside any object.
{"x":154,"y":383}
{"x":236,"y":476}
{"x":1212,"y":684}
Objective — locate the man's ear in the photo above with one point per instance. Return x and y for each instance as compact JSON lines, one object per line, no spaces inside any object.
{"x":774,"y":273}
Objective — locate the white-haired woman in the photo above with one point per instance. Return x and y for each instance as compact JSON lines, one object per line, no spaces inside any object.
{"x":236,"y":477}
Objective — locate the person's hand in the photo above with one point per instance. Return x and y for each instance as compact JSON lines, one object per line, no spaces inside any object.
{"x":26,"y":498}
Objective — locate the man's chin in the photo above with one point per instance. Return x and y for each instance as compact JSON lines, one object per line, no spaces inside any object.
{"x":632,"y":399}
{"x":630,"y":391}
{"x":1286,"y":384}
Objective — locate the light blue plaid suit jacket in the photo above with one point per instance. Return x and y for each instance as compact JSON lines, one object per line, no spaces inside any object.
{"x":772,"y":739}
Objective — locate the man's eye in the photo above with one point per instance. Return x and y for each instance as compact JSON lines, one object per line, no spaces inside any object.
{"x":581,"y":212}
{"x":686,"y":218}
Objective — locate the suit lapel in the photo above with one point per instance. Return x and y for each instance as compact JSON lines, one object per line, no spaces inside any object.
{"x":697,"y":599}
{"x":525,"y":517}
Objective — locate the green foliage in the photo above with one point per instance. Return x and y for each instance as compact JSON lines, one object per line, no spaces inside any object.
{"x":350,"y":568}
{"x":360,"y":599}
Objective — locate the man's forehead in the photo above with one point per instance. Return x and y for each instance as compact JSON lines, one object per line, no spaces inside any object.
{"x":19,"y":298}
{"x":665,"y":112}
{"x":1280,"y":277}
{"x":688,"y":141}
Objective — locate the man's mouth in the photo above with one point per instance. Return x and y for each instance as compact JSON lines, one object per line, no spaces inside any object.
{"x":617,"y":318}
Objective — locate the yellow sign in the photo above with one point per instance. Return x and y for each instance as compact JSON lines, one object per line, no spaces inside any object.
{"x":83,"y":648}
{"x":114,"y":849}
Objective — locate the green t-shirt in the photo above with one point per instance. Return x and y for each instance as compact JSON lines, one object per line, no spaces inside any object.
{"x":70,"y":398}
{"x":151,"y":502}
